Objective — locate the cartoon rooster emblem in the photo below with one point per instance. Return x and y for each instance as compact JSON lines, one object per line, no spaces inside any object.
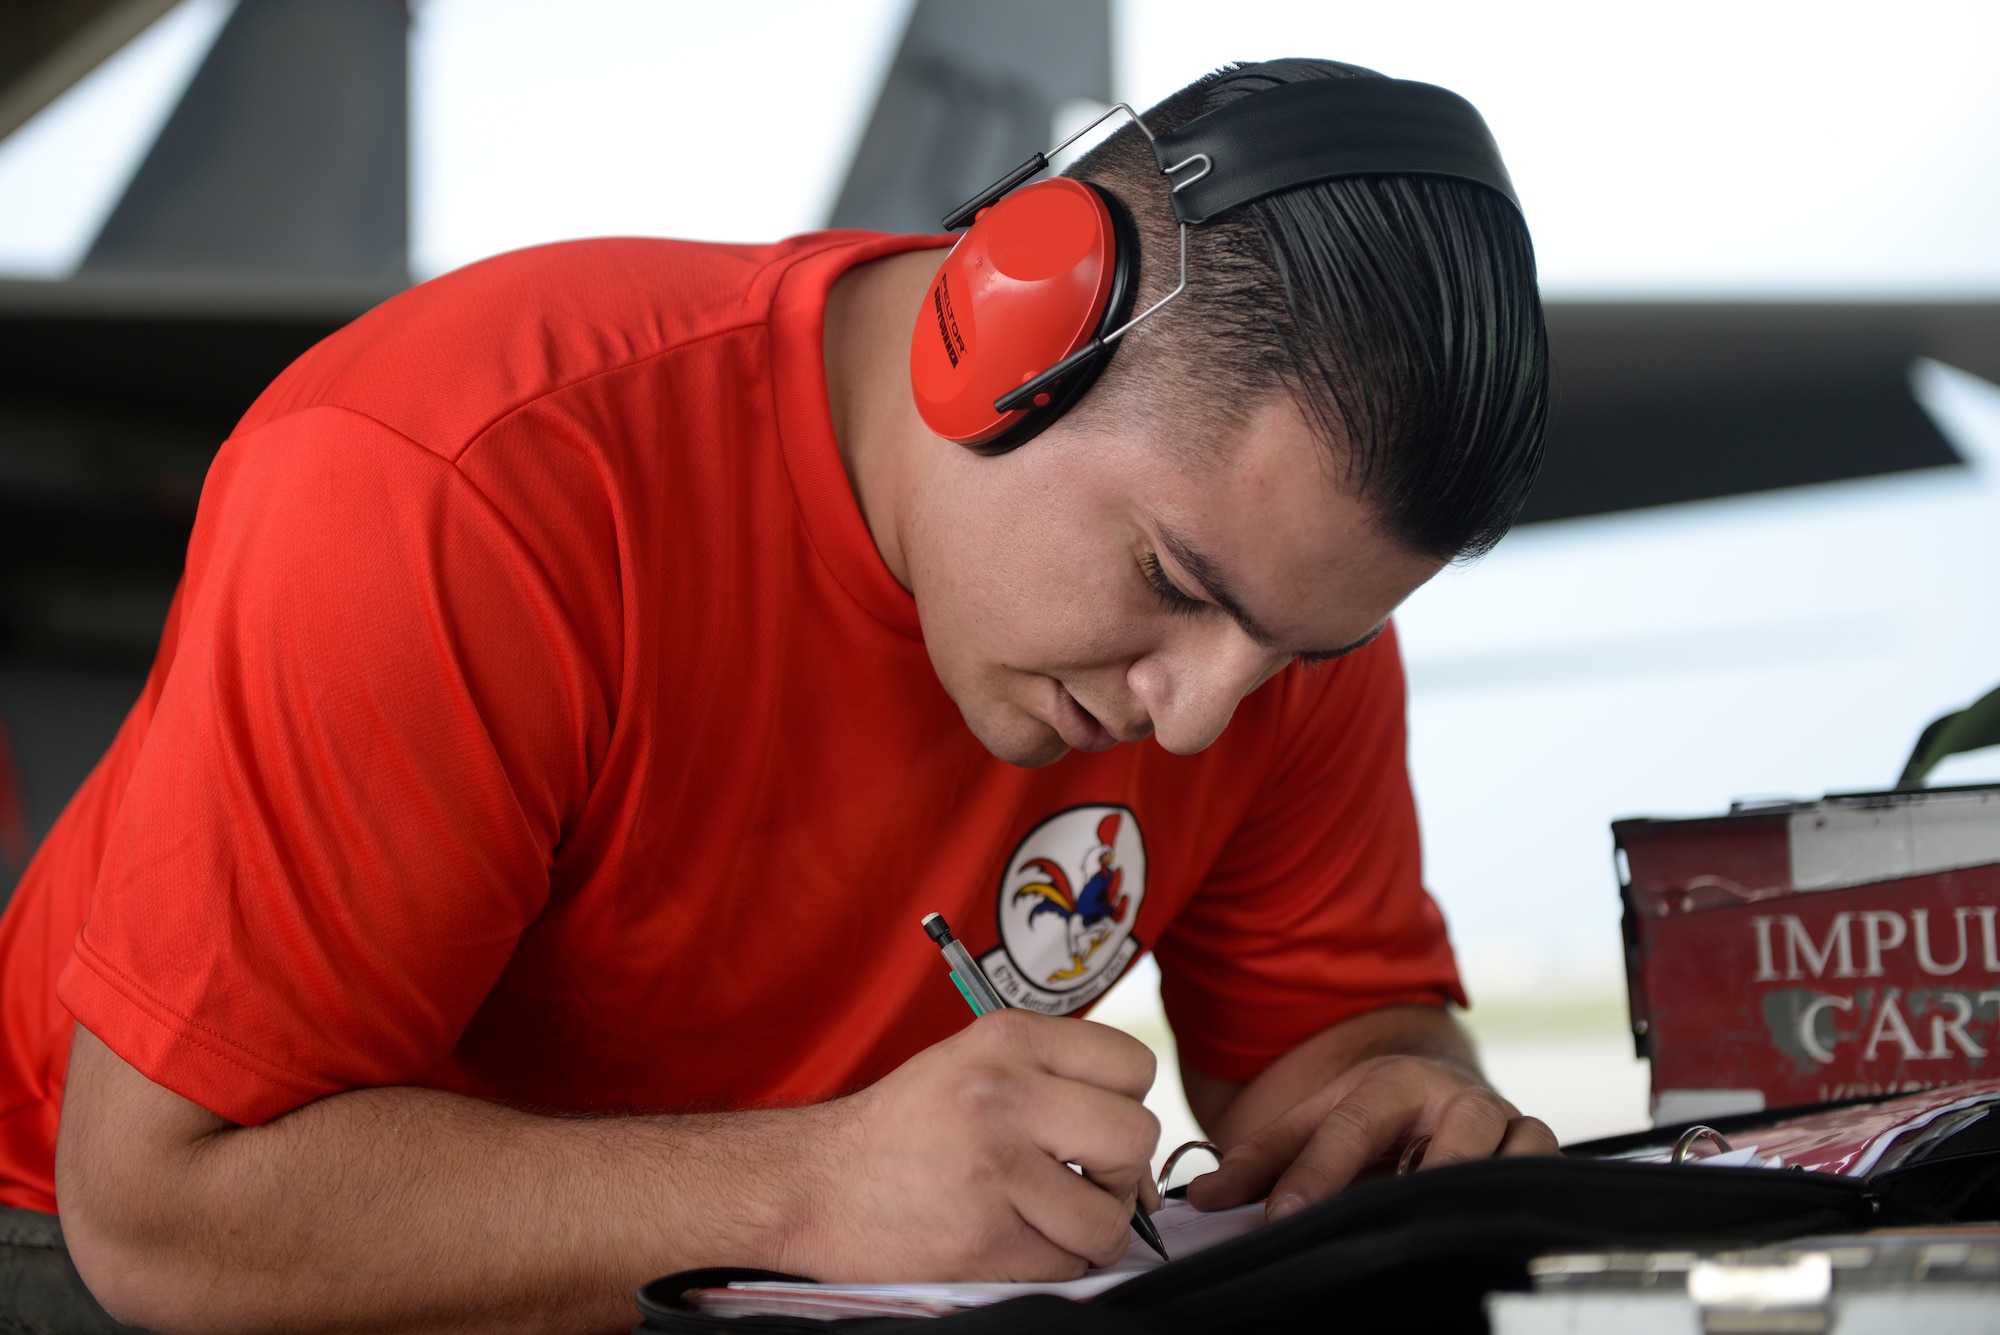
{"x":1089,"y":915}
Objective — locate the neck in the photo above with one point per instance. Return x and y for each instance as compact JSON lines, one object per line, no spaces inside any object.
{"x":882,"y":441}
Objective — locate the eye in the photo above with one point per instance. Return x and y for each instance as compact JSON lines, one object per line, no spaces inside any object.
{"x":1170,"y":597}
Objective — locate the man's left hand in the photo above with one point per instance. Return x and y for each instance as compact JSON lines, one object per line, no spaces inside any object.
{"x":1360,"y":1120}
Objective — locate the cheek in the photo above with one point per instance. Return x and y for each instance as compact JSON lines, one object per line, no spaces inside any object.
{"x":1031,"y":586}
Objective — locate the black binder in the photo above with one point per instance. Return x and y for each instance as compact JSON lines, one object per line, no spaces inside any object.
{"x":1421,"y":1252}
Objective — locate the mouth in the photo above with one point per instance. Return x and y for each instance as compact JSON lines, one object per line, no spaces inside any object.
{"x":1077,"y":726}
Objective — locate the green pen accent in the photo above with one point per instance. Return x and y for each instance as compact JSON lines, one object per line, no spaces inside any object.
{"x":965,"y":970}
{"x":966,"y":992}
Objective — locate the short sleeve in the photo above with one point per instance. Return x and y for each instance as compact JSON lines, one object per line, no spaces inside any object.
{"x":377,"y":725}
{"x":1316,"y":909}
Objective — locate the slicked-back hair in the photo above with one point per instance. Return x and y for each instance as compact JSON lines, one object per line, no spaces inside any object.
{"x":1400,"y":312}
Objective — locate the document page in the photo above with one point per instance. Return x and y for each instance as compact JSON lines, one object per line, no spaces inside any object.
{"x":1184,"y":1229}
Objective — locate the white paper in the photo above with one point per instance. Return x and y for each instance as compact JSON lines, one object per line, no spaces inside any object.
{"x":1183,"y":1229}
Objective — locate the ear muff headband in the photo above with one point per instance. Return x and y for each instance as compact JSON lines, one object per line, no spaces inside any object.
{"x":1321,"y":129}
{"x":1045,"y":271}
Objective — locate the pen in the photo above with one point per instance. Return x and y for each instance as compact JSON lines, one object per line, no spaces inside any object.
{"x":971,"y":982}
{"x":971,"y":979}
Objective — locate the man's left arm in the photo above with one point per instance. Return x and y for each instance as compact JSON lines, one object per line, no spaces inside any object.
{"x":1314,"y":968}
{"x":1348,"y":1098}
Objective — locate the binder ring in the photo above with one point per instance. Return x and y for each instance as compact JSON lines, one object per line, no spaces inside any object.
{"x":1413,"y":1155}
{"x":1693,"y":1136}
{"x":1173,"y":1161}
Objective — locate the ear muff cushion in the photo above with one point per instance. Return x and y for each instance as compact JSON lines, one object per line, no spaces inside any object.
{"x":1031,"y":282}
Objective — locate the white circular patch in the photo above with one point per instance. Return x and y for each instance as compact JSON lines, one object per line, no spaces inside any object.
{"x":1069,"y":897}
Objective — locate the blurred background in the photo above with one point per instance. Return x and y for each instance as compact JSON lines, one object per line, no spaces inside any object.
{"x":1763,"y":554}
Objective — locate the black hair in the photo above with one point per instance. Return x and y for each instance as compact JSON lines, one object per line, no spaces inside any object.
{"x":1400,"y":311}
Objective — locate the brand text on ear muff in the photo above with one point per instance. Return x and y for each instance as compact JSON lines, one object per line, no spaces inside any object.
{"x":947,"y":320}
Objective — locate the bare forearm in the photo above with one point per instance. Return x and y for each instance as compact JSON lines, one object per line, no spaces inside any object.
{"x":419,"y":1210}
{"x":1232,"y":1112}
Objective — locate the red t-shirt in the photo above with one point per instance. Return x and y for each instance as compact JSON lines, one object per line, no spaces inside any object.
{"x":536,"y":720}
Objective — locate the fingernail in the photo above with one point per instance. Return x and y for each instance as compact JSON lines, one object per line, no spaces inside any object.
{"x":1280,"y":1206}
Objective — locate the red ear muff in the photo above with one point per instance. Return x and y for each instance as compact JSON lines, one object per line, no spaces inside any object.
{"x":1037,"y":276}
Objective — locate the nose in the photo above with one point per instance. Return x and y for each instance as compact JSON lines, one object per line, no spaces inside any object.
{"x":1190,"y":686}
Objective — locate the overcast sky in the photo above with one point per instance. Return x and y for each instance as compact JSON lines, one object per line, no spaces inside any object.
{"x":1692,"y":149}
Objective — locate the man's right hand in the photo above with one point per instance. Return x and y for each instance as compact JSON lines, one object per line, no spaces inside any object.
{"x":954,"y":1165}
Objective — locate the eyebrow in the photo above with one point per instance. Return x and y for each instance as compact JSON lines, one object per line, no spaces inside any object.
{"x":1216,"y":585}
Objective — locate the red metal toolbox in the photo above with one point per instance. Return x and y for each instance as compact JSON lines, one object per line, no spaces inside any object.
{"x":1799,"y":952}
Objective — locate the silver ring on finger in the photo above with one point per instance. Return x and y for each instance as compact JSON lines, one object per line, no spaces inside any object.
{"x":1413,"y":1155}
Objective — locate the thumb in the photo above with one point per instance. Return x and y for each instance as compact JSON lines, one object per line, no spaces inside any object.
{"x":1251,"y":1167}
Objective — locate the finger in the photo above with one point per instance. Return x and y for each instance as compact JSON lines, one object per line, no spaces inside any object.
{"x":1528,"y":1136}
{"x":1074,"y":1214}
{"x":1111,"y":1137}
{"x":1095,"y":1054}
{"x":1250,"y":1167}
{"x":1355,"y":1132}
{"x":1149,"y":1194}
{"x":1471,"y":1125}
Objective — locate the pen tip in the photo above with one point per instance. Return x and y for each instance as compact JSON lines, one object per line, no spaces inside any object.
{"x":1148,"y":1232}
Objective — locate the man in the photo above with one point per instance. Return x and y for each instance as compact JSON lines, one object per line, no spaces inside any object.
{"x":588,"y":670}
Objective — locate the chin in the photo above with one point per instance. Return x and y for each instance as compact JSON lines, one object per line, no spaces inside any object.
{"x":1017,"y":739}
